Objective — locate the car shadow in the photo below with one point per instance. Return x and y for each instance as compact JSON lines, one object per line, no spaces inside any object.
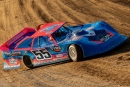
{"x":124,"y":47}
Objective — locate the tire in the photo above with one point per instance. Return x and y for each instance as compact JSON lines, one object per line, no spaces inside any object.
{"x":75,"y":53}
{"x":28,"y":61}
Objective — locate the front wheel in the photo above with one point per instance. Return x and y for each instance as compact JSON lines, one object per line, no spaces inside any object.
{"x":28,"y":61}
{"x":75,"y":53}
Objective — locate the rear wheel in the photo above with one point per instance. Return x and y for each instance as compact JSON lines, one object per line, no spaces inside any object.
{"x":75,"y":53}
{"x":28,"y":61}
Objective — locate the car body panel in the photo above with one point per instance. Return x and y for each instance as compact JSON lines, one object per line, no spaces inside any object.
{"x":50,"y":43}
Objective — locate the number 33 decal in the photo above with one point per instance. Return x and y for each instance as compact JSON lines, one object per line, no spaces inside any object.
{"x":42,"y":54}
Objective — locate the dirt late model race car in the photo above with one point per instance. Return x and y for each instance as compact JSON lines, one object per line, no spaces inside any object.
{"x":55,"y":42}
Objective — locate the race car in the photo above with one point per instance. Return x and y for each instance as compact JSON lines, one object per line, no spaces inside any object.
{"x":58,"y":42}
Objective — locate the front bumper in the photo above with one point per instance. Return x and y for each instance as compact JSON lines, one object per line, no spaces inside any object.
{"x":113,"y":43}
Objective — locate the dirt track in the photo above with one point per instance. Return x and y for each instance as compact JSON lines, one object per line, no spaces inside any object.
{"x":111,"y":69}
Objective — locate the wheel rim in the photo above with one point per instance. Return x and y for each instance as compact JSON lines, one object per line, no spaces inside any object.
{"x":73,"y":53}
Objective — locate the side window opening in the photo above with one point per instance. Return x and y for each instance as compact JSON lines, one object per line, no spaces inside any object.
{"x":60,"y":34}
{"x":47,"y":40}
{"x":42,"y":41}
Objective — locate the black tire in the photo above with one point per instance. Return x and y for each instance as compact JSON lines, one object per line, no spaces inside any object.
{"x":28,"y":61}
{"x":75,"y":53}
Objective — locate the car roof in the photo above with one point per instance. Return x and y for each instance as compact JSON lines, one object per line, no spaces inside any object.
{"x":48,"y":28}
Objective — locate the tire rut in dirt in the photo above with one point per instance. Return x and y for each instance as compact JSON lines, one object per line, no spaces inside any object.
{"x":96,"y":69}
{"x":28,"y":17}
{"x":40,"y":12}
{"x":83,"y":7}
{"x":69,"y":12}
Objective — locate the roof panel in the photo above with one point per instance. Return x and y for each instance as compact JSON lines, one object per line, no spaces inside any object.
{"x":48,"y":28}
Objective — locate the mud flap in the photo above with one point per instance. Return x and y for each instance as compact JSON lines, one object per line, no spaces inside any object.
{"x":11,"y":63}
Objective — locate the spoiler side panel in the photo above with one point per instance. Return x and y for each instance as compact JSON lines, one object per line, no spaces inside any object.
{"x":11,"y":43}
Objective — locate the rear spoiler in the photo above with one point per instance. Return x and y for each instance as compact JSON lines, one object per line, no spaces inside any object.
{"x":11,"y":43}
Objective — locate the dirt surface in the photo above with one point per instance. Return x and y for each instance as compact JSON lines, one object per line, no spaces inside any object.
{"x":108,"y":70}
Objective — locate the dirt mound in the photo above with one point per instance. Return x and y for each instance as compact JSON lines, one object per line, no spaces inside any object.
{"x":109,"y":70}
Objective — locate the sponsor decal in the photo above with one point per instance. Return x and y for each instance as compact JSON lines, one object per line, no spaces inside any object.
{"x":63,"y":55}
{"x":105,"y":38}
{"x":13,"y":61}
{"x":56,"y":48}
{"x":11,"y":67}
{"x":16,"y":53}
{"x":59,"y":55}
{"x":7,"y":53}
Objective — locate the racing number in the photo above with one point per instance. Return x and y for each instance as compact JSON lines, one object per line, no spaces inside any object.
{"x":41,"y":54}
